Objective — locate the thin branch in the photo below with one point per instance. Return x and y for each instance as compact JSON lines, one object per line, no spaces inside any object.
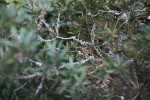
{"x":40,"y":86}
{"x":37,"y":63}
{"x":62,"y":38}
{"x":30,"y":76}
{"x":121,"y":97}
{"x":21,"y":86}
{"x":82,"y":62}
{"x":50,"y":29}
{"x":115,"y":12}
{"x":43,"y":40}
{"x":135,"y":96}
{"x":58,"y":20}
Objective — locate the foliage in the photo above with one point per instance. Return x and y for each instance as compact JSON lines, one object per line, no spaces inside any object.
{"x":74,"y":49}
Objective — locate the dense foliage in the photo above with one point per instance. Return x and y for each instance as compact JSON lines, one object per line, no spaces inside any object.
{"x":74,"y":49}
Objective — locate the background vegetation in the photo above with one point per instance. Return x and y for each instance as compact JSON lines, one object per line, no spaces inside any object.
{"x":74,"y":49}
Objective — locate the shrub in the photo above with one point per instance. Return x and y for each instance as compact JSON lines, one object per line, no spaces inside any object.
{"x":74,"y":49}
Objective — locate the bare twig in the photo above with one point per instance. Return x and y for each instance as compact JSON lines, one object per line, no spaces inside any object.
{"x":31,"y":76}
{"x":62,"y":38}
{"x":135,"y":96}
{"x":40,"y":86}
{"x":37,"y":63}
{"x":81,"y":62}
{"x":21,"y":86}
{"x":121,"y":97}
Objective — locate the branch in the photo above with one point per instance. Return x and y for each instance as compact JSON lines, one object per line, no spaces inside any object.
{"x":50,"y":29}
{"x":82,"y":62}
{"x":31,"y":76}
{"x":115,"y":12}
{"x":37,"y":63}
{"x":21,"y":86}
{"x":62,"y":38}
{"x":40,"y":85}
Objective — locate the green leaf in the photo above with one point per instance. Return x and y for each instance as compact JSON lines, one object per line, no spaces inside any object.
{"x":109,"y":71}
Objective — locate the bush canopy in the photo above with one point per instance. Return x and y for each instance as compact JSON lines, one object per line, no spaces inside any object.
{"x":74,"y":49}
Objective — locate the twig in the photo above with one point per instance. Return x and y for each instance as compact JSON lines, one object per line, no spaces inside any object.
{"x":82,"y":62}
{"x":43,"y":40}
{"x":50,"y":29}
{"x":135,"y":96}
{"x":30,"y":76}
{"x":21,"y":86}
{"x":58,"y":20}
{"x":40,"y":85}
{"x":62,"y":38}
{"x":115,"y":12}
{"x":121,"y":97}
{"x":37,"y":63}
